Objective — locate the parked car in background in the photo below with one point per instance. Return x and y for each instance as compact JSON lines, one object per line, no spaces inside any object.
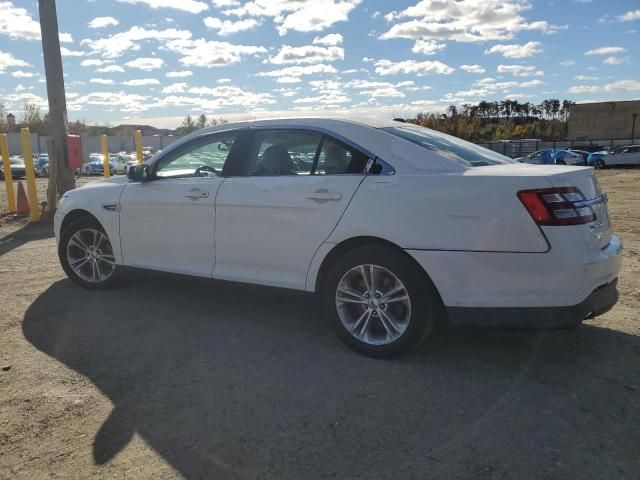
{"x":583,"y":153}
{"x":592,"y":148}
{"x":42,"y":165}
{"x":370,"y":217}
{"x":119,"y":162}
{"x":131,"y":160}
{"x":96,"y":165}
{"x":551,"y":157}
{"x":624,"y":155}
{"x":16,"y":163}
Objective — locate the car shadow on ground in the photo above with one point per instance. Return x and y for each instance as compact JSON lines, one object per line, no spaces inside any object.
{"x":230,"y":381}
{"x":28,"y":233}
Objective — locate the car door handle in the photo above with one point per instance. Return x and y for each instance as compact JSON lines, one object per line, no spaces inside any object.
{"x":196,"y":194}
{"x":323,"y":195}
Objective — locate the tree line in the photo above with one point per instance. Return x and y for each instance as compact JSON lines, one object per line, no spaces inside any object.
{"x":501,"y":120}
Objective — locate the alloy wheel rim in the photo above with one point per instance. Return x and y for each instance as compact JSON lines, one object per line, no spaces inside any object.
{"x":90,"y":255}
{"x":373,"y":304}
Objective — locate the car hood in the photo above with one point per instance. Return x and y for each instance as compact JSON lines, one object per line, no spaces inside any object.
{"x":118,"y":180}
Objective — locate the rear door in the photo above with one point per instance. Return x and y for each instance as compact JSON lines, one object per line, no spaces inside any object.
{"x":629,"y":156}
{"x":287,"y":197}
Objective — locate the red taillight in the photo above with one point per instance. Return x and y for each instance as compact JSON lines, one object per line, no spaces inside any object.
{"x":557,"y":206}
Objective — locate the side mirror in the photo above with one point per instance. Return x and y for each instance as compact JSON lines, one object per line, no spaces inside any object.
{"x":138,"y":173}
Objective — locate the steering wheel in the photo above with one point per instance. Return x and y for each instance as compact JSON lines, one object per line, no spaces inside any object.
{"x":205,"y":168}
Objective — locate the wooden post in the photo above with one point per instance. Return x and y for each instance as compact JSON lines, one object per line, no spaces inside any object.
{"x":138,"y":139}
{"x":64,"y":177}
{"x":104,"y":145}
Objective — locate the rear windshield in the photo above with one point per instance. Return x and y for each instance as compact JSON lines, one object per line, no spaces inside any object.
{"x":449,"y":146}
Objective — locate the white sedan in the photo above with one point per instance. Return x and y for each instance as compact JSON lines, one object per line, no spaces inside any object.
{"x":399,"y":228}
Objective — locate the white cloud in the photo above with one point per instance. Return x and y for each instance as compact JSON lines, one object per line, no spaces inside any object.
{"x":225,"y":3}
{"x":613,"y":60}
{"x":115,"y":45}
{"x":584,"y":78}
{"x":100,"y":22}
{"x":325,"y":100}
{"x":125,"y":102}
{"x":22,"y":74}
{"x":630,"y":85}
{"x":520,"y":70}
{"x":175,"y":88}
{"x":210,"y":99}
{"x":463,"y":20}
{"x":102,"y":81}
{"x":307,"y":54}
{"x":630,"y":16}
{"x":7,"y":60}
{"x":428,"y":47}
{"x":625,"y":85}
{"x":71,"y":53}
{"x":331,"y":40}
{"x":141,"y":82}
{"x":605,"y":51}
{"x":298,"y":15}
{"x":145,"y":63}
{"x":567,"y":63}
{"x":472,"y":68}
{"x":16,"y":23}
{"x":93,"y":62}
{"x":179,"y":74}
{"x":293,"y":74}
{"x":203,"y":53}
{"x":223,"y":80}
{"x":384,"y":92}
{"x":191,"y":6}
{"x":388,"y":67}
{"x":515,"y":51}
{"x":227,"y":27}
{"x":110,"y":69}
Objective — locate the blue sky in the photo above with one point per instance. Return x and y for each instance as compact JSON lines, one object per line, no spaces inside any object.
{"x":154,"y":61}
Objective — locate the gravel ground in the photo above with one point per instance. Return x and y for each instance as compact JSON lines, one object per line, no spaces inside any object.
{"x":173,"y":377}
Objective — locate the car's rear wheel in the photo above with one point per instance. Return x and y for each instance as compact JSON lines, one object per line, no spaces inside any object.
{"x":599,"y":164}
{"x":380,"y":302}
{"x":561,"y":162}
{"x":86,"y":254}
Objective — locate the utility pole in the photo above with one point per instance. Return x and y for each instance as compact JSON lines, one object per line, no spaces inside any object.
{"x":62,"y":178}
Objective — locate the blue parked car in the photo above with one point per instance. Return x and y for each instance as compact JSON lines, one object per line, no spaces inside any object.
{"x":96,"y":167}
{"x":553,"y":156}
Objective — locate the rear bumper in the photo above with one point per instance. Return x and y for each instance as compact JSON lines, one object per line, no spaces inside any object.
{"x":600,"y":301}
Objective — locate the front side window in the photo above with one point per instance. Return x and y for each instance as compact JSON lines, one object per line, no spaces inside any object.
{"x":450,"y":147}
{"x":204,"y":157}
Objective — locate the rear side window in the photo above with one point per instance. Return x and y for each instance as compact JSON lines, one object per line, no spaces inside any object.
{"x":300,"y":152}
{"x":448,"y":146}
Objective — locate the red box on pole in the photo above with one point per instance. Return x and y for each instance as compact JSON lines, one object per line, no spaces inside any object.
{"x":74,"y":151}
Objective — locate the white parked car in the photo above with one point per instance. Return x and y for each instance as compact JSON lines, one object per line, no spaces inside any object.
{"x":398,"y":227}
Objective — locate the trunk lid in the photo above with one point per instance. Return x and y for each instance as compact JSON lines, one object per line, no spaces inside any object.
{"x":562,"y":176}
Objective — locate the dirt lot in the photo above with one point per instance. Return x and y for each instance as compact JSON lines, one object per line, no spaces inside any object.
{"x":171,"y":377}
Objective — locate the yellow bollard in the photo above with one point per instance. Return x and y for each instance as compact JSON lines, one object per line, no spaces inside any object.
{"x":8,"y":178}
{"x":104,"y":142}
{"x":31,"y":175}
{"x":138,"y":138}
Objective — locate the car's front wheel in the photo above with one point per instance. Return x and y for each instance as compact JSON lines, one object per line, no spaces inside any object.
{"x":599,"y":164}
{"x":380,"y":302}
{"x":86,"y":254}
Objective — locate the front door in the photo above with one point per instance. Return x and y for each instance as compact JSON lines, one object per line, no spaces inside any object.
{"x":167,"y":222}
{"x":287,"y":199}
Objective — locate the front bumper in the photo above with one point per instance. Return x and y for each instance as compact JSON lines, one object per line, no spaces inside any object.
{"x":600,"y":301}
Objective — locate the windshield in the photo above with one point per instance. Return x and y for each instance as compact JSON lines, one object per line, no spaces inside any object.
{"x":449,"y":146}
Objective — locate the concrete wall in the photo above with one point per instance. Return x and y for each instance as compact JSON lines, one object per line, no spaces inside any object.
{"x":90,"y":143}
{"x":611,"y":120}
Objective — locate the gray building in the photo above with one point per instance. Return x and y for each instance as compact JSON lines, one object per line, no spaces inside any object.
{"x":605,"y":120}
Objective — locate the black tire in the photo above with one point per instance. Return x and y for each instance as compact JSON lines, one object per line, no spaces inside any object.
{"x":560,"y":162}
{"x":599,"y":164}
{"x":45,"y":172}
{"x":426,"y":305}
{"x":81,"y":223}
